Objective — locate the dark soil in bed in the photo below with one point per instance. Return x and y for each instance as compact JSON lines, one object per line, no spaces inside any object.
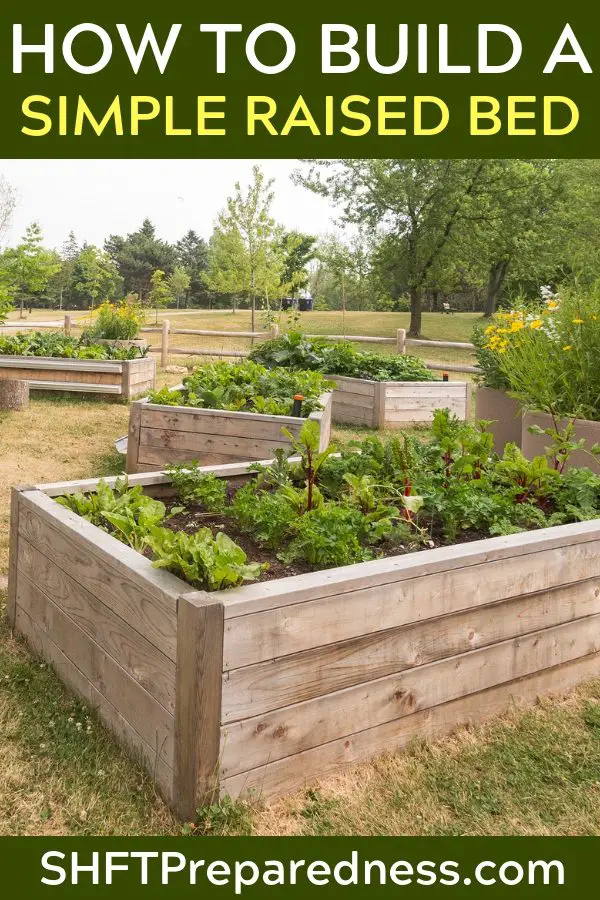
{"x":195,"y":517}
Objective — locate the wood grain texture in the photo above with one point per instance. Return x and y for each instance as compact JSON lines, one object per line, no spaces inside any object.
{"x":295,"y":772}
{"x":152,"y":756}
{"x":149,"y":719}
{"x":140,"y":659}
{"x":198,"y":714}
{"x":255,"y":690}
{"x":113,"y":573}
{"x":255,"y":741}
{"x":371,"y":608}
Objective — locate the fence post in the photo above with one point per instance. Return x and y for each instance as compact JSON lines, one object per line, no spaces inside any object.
{"x":275,"y":330}
{"x":164,"y":349}
{"x":401,"y":340}
{"x":67,"y":325}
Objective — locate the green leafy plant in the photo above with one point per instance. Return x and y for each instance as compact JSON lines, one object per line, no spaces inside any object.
{"x":60,"y":346}
{"x":311,"y":458}
{"x":204,"y":561}
{"x":195,"y":486}
{"x":296,"y":351}
{"x":129,"y":512}
{"x":327,"y":536}
{"x":247,"y":387}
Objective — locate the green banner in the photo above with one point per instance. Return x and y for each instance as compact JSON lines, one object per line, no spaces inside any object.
{"x":299,"y":80}
{"x":274,"y":867}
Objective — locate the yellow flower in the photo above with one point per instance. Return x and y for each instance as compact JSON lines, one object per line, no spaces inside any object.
{"x":551,"y":304}
{"x":490,"y":329}
{"x":537,"y":323}
{"x":593,"y":317}
{"x":516,"y":326}
{"x":568,"y":347}
{"x":577,"y":321}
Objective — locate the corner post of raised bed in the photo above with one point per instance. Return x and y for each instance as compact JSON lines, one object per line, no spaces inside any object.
{"x":133,"y":438}
{"x":379,"y":404}
{"x":469,"y":401}
{"x":13,"y":551}
{"x":164,"y":347}
{"x":401,"y":341}
{"x":126,"y":379}
{"x":67,"y":325}
{"x":200,"y":623}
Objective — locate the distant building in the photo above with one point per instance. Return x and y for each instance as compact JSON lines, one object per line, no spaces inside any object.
{"x":302,"y":304}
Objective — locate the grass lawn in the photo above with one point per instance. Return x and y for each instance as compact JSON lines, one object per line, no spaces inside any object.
{"x":534,"y":772}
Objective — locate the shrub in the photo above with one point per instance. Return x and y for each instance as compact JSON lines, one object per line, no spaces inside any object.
{"x":117,"y":321}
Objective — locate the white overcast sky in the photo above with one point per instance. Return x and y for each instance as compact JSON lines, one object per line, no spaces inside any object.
{"x":98,"y":197}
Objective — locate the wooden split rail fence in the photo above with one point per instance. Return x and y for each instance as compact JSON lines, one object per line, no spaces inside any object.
{"x":400,"y":341}
{"x":165,"y":348}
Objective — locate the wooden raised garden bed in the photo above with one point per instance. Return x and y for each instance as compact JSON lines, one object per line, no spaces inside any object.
{"x":269,"y":685}
{"x":125,"y":378}
{"x":535,"y":444}
{"x":159,"y":435}
{"x":393,"y":404}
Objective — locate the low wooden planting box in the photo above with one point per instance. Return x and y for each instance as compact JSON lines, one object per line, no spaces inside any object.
{"x":393,"y":404}
{"x":267,"y":686}
{"x":159,"y":435}
{"x":125,"y":378}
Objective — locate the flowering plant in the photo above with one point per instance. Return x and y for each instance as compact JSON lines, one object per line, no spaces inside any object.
{"x":118,"y":321}
{"x":548,"y":352}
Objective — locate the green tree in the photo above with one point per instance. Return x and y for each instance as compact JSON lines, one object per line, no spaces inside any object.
{"x":299,"y":250}
{"x":245,"y":239}
{"x":138,"y":255}
{"x":421,"y":204}
{"x":179,"y":283}
{"x":160,"y":294}
{"x":192,"y":253}
{"x":95,"y":276}
{"x":29,"y":266}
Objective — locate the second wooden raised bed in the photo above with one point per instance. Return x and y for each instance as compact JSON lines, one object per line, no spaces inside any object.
{"x":124,"y":378}
{"x":269,"y":685}
{"x":159,"y":435}
{"x":394,"y":404}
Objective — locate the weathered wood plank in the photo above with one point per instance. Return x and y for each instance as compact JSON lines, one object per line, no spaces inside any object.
{"x":140,"y":659}
{"x":294,"y":772}
{"x":66,"y":365}
{"x":426,"y":404}
{"x":328,"y":618}
{"x":349,"y":398}
{"x":148,"y":717}
{"x":117,"y":575}
{"x":354,"y":385}
{"x":255,"y":741}
{"x":425,"y":389}
{"x":13,"y":549}
{"x":216,"y":445}
{"x":198,"y":716}
{"x":133,"y":437}
{"x":152,"y":757}
{"x":256,"y":689}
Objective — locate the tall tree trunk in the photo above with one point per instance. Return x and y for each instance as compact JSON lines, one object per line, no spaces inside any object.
{"x":253,"y":313}
{"x":496,"y":277}
{"x":414,"y":329}
{"x":22,"y":313}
